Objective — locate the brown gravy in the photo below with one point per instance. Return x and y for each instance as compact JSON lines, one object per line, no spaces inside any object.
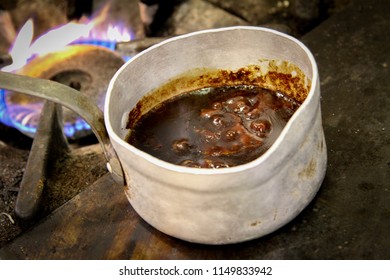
{"x":213,"y":127}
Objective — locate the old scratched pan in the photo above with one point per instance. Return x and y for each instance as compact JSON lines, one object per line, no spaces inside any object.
{"x":211,"y":206}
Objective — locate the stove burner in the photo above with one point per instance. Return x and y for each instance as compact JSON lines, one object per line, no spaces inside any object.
{"x":87,"y":68}
{"x":76,"y":79}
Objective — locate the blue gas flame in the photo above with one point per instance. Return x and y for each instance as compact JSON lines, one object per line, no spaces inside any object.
{"x":71,"y":130}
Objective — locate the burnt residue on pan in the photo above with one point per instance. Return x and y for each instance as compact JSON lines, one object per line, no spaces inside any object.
{"x":274,"y":75}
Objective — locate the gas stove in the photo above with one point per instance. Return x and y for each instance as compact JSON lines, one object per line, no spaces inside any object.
{"x":57,"y":199}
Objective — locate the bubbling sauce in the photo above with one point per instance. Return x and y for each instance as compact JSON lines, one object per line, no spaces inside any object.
{"x":213,"y":127}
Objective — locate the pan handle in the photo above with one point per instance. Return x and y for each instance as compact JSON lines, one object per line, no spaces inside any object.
{"x":73,"y":100}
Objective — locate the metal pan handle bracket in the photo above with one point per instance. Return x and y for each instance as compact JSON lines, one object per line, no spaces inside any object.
{"x":73,"y":100}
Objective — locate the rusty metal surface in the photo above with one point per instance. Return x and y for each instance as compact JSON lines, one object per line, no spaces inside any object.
{"x":49,"y":144}
{"x":87,"y":68}
{"x":100,"y":224}
{"x":80,"y":229}
{"x":77,"y":66}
